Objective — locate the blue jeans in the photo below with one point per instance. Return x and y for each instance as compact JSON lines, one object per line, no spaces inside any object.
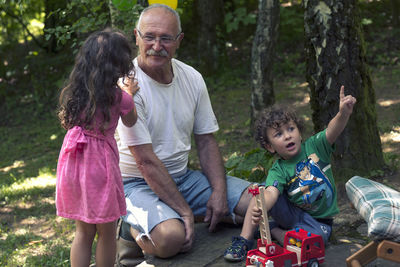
{"x":145,"y":210}
{"x":288,"y":217}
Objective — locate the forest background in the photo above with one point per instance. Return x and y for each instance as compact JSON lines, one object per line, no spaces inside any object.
{"x":38,"y":43}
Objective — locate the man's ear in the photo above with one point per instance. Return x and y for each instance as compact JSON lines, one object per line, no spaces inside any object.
{"x":269,"y":148}
{"x":180,"y":39}
{"x":136,"y":36}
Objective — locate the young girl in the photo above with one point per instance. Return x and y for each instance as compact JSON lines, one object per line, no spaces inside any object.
{"x":89,"y":186}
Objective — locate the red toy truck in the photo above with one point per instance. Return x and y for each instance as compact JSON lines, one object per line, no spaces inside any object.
{"x":301,"y":248}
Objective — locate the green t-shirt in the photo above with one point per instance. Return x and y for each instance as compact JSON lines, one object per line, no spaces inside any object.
{"x":307,"y":178}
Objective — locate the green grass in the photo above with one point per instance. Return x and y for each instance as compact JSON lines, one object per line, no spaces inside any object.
{"x":30,"y":232}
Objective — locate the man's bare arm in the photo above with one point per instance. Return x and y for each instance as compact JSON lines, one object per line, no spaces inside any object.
{"x":212,"y":166}
{"x":159,"y":180}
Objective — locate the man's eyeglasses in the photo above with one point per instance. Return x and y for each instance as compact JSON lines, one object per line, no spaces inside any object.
{"x":164,"y":39}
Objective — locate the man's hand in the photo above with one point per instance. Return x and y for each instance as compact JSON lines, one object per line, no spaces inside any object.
{"x":217,"y":208}
{"x":188,"y":222}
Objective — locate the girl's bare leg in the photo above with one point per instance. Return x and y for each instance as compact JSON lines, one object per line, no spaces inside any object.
{"x":81,"y":248}
{"x":106,"y":244}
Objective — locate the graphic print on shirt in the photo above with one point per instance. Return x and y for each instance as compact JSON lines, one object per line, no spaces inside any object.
{"x":311,"y":183}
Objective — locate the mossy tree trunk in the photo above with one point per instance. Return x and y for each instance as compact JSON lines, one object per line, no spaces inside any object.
{"x":211,"y":17}
{"x":335,"y":52}
{"x":262,"y":56}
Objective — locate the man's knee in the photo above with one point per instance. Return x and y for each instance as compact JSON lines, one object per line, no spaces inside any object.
{"x":166,"y":239}
{"x":243,"y":203}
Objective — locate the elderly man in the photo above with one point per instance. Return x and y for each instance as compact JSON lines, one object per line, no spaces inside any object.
{"x":162,"y":194}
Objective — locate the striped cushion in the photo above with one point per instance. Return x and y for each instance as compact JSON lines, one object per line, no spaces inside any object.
{"x":378,"y":204}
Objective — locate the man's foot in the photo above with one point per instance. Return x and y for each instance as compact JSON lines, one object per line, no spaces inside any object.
{"x":238,"y":249}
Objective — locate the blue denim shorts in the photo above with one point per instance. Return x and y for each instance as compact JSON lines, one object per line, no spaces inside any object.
{"x":288,"y":217}
{"x":145,"y":210}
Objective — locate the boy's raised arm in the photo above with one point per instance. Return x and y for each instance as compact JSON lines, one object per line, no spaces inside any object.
{"x":338,"y":123}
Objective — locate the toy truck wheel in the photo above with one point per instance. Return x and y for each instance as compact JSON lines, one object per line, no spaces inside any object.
{"x":313,"y":263}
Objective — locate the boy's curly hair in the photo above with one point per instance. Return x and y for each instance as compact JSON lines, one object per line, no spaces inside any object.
{"x":274,"y":117}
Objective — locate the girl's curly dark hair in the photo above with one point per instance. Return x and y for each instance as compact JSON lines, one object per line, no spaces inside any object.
{"x":274,"y":117}
{"x":104,"y":57}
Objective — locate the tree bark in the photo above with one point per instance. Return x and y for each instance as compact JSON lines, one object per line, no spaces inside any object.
{"x":395,"y":12}
{"x":262,"y":56}
{"x":211,"y":17}
{"x":114,"y":15}
{"x":335,"y":52}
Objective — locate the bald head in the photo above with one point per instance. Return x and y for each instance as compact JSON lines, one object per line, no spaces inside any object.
{"x":160,"y":6}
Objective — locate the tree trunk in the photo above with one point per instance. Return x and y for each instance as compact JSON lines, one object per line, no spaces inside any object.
{"x":262,"y":56}
{"x":395,"y":12}
{"x":50,"y":21}
{"x":335,"y":51}
{"x":116,"y":23}
{"x":211,"y":17}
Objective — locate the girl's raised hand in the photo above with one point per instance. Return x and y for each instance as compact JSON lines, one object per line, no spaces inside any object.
{"x":129,"y":85}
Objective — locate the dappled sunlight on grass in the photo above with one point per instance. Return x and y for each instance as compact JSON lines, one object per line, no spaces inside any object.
{"x":304,"y":101}
{"x":306,"y":118}
{"x":41,"y":181}
{"x":16,"y":164}
{"x":391,"y":140}
{"x":32,"y":233}
{"x":305,"y":84}
{"x":294,"y":92}
{"x":29,"y":188}
{"x":302,"y":95}
{"x":387,"y":102}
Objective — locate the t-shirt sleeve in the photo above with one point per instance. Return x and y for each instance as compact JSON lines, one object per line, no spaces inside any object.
{"x":127,"y":103}
{"x":138,"y":134}
{"x":205,"y":120}
{"x":322,"y":146}
{"x":275,"y":177}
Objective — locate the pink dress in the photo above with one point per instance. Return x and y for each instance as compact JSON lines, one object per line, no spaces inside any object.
{"x":89,"y":184}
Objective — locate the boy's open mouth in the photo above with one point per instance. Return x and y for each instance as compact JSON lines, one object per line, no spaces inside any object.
{"x":290,"y":145}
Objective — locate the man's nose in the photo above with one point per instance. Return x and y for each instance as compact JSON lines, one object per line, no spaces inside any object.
{"x":157,"y":44}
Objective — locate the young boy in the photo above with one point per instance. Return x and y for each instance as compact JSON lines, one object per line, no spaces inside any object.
{"x":300,"y":190}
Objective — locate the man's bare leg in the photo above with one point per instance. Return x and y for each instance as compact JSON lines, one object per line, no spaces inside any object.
{"x":166,"y":240}
{"x":239,"y":211}
{"x":241,"y":207}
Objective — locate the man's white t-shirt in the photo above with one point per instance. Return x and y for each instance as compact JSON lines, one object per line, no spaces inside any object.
{"x":167,"y":116}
